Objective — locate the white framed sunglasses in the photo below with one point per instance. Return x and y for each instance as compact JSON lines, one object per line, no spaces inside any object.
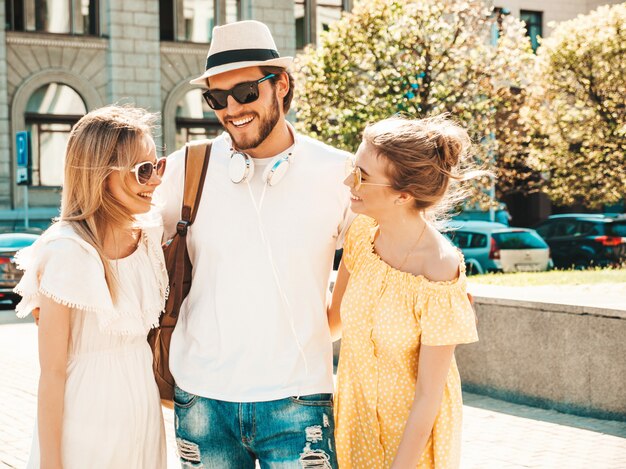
{"x":144,"y":170}
{"x":353,"y":171}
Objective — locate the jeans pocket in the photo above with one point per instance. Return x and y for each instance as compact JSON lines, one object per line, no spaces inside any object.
{"x":314,"y":400}
{"x":183,"y":399}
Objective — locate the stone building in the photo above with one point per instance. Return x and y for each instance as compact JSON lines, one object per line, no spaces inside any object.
{"x":61,"y":58}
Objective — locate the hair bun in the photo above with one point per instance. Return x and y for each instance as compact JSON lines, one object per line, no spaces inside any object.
{"x":450,"y":146}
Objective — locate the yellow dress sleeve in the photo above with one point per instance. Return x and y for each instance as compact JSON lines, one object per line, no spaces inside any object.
{"x":356,"y":239}
{"x":446,"y":315}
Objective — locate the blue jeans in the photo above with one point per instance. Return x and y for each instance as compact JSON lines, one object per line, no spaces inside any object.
{"x":296,"y":432}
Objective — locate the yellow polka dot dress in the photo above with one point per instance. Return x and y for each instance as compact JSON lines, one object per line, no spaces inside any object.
{"x":386,"y":315}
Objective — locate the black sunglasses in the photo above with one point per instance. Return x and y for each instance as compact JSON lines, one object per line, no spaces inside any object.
{"x":243,"y":93}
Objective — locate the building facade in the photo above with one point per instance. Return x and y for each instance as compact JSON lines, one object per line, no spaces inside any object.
{"x":540,"y":16}
{"x":61,"y":58}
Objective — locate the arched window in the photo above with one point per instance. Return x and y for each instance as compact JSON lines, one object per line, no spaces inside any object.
{"x":51,"y":112}
{"x":195,"y":120}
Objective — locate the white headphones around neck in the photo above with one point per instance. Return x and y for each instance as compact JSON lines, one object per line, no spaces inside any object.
{"x":241,"y":168}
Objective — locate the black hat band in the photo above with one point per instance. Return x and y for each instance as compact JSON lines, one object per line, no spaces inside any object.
{"x":240,"y":55}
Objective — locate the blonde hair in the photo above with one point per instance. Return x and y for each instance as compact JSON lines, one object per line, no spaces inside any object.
{"x":102,"y":141}
{"x":425,"y":157}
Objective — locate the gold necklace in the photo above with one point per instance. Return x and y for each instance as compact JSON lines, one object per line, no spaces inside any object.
{"x":413,"y":247}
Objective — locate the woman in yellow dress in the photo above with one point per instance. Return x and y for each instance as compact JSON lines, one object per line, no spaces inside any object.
{"x":400,"y":301}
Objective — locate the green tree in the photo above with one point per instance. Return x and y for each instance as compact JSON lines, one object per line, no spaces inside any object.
{"x":419,"y":58}
{"x":514,"y":171}
{"x":579,"y":112}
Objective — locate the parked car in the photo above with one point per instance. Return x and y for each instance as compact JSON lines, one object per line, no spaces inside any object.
{"x":10,"y":275}
{"x":583,"y":240}
{"x":494,"y":247}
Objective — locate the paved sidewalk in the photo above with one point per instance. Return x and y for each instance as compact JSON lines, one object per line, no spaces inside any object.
{"x":497,"y":434}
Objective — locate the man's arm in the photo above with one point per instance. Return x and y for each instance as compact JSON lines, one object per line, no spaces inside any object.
{"x":334,"y":318}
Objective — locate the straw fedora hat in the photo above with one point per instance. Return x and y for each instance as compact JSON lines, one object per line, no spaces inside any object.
{"x":240,"y":45}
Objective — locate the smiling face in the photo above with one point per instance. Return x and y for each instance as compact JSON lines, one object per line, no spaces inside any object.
{"x":371,"y":200}
{"x":250,"y":125}
{"x":123,"y":185}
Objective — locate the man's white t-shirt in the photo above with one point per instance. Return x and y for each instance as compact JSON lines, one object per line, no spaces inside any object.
{"x":236,"y":338}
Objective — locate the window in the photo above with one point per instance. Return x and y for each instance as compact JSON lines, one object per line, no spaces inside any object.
{"x":534,"y":26}
{"x":565,"y":228}
{"x":545,"y":230}
{"x":233,"y":11}
{"x":519,"y":240}
{"x":468,"y":239}
{"x":53,"y":16}
{"x":51,"y":112}
{"x":618,"y":229}
{"x":588,"y":228}
{"x":314,"y":16}
{"x":478,"y":241}
{"x":195,"y":120}
{"x":496,"y":29}
{"x":460,"y":239}
{"x":193,"y":20}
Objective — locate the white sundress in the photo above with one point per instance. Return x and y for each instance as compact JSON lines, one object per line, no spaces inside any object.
{"x":112,"y":412}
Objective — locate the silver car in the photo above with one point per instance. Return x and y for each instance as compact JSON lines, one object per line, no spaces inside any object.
{"x":494,"y":247}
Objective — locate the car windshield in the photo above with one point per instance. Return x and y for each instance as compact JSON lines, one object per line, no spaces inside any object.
{"x":16,"y":242}
{"x":519,"y":240}
{"x":617,"y":229}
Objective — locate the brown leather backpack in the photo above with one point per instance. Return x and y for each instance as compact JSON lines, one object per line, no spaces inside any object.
{"x":178,"y":266}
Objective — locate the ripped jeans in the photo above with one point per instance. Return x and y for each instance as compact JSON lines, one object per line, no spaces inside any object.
{"x":291,"y":433}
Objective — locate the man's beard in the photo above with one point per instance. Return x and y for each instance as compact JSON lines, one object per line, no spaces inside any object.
{"x":266,"y":125}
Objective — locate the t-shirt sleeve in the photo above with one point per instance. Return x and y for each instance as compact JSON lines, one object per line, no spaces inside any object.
{"x":168,"y":197}
{"x":353,"y":245}
{"x":65,"y":271}
{"x":446,"y":315}
{"x":346,"y":222}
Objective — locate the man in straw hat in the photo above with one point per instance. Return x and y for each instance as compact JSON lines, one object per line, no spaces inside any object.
{"x":252,"y":352}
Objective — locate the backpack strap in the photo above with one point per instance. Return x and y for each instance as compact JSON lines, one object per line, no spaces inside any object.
{"x":197,"y":155}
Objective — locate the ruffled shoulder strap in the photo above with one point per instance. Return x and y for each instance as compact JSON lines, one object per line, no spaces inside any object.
{"x":62,"y":266}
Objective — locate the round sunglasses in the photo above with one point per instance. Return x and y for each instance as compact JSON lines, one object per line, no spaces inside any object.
{"x":354,"y":172}
{"x":243,"y":93}
{"x":143,"y":171}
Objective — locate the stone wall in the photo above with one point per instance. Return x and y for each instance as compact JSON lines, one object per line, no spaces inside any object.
{"x":568,"y":358}
{"x":133,"y":55}
{"x":278,"y":15}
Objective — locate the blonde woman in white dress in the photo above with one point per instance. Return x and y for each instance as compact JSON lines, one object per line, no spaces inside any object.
{"x":98,"y":278}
